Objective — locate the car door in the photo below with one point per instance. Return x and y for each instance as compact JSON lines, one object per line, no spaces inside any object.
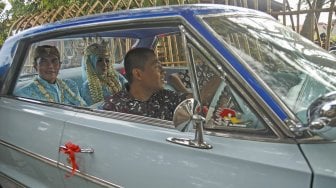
{"x":30,"y":133}
{"x":323,"y":166}
{"x":30,"y":130}
{"x":132,"y":151}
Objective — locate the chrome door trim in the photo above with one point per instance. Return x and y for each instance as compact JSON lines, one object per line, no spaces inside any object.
{"x":54,"y":163}
{"x":50,"y":162}
{"x":13,"y":181}
{"x":88,"y":177}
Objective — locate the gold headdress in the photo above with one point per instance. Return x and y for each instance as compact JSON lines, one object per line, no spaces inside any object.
{"x":98,"y":49}
{"x":95,"y":81}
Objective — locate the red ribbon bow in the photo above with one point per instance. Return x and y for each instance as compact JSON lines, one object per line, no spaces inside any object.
{"x":227,"y":112}
{"x":70,"y":149}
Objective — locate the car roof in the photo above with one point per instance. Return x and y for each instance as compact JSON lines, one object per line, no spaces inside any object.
{"x":185,"y":11}
{"x":161,"y":11}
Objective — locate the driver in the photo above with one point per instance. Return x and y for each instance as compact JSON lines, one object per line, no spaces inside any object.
{"x":144,"y":94}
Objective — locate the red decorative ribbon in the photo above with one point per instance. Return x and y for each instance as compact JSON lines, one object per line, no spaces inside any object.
{"x":227,"y":112}
{"x":70,"y":149}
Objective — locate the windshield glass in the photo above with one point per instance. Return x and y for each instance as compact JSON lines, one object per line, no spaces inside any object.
{"x":297,"y":70}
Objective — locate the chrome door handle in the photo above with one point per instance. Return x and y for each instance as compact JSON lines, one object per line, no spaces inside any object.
{"x":86,"y":150}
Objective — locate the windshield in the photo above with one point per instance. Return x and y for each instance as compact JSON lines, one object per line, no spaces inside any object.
{"x":297,"y":70}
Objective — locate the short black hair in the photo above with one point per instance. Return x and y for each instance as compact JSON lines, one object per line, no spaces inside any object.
{"x":136,"y":58}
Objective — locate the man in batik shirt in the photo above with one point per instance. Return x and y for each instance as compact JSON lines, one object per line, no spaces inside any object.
{"x":46,"y":86}
{"x":145,"y":94}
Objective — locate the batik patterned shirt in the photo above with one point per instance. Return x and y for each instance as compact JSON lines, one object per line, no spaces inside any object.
{"x":161,"y":104}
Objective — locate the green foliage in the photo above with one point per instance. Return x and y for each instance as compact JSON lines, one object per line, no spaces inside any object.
{"x":2,"y":6}
{"x":21,"y":8}
{"x":28,"y":7}
{"x":48,"y":5}
{"x":4,"y":28}
{"x":4,"y":25}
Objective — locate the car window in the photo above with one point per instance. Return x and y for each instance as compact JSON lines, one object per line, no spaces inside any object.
{"x":280,"y":57}
{"x":72,"y":50}
{"x":222,"y":107}
{"x":170,"y":52}
{"x":71,"y":55}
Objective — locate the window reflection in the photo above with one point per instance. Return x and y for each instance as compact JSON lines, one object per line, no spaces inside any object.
{"x":222,"y":107}
{"x":294,"y":68}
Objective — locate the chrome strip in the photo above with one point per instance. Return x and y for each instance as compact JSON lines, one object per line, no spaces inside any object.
{"x":102,"y":113}
{"x":191,"y":65}
{"x":11,"y":180}
{"x":250,"y":137}
{"x":29,"y":153}
{"x":88,"y":177}
{"x":60,"y":165}
{"x":133,"y":118}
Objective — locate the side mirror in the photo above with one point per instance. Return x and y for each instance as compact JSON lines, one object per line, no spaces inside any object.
{"x":322,"y":116}
{"x":184,"y":114}
{"x":185,"y":118}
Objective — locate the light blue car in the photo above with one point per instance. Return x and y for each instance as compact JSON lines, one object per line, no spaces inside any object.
{"x":262,"y":112}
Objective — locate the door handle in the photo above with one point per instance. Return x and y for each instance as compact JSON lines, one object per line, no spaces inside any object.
{"x":82,"y":150}
{"x":71,"y":149}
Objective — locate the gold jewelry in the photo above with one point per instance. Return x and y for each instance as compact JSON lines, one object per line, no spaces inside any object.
{"x":64,"y":89}
{"x":96,"y":82}
{"x":44,"y":92}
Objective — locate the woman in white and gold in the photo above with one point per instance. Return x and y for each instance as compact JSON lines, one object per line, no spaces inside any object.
{"x":101,"y":79}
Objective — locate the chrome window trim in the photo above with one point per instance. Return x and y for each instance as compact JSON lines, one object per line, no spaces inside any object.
{"x":131,"y":118}
{"x":54,"y":163}
{"x":102,"y":113}
{"x":250,"y":137}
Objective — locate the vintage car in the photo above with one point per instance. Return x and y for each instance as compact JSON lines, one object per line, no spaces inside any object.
{"x":262,"y":111}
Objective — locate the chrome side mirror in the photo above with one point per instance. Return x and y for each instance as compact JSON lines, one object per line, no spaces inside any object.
{"x":322,"y":116}
{"x":185,"y":118}
{"x":184,"y":114}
